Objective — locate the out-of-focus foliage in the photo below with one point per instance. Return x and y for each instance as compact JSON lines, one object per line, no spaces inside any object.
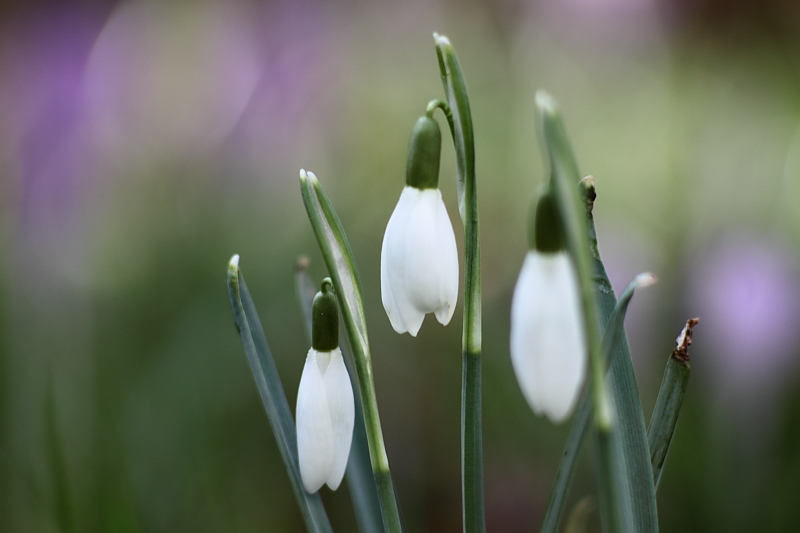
{"x":143,"y":143}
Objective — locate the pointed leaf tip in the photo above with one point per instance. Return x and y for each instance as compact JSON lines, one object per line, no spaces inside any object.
{"x":545,"y":102}
{"x":233,"y":266}
{"x":441,"y":40}
{"x":645,"y":279}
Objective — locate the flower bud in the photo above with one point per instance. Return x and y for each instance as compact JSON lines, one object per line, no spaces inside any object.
{"x":325,"y":319}
{"x":424,"y":150}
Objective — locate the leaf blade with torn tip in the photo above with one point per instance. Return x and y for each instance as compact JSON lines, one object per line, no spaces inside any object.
{"x":664,"y":419}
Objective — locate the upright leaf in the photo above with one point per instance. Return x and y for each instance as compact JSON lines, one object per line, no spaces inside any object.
{"x":669,"y":401}
{"x":341,"y":266}
{"x":612,"y":337}
{"x":627,"y":499}
{"x":460,"y":120}
{"x":272,"y":396}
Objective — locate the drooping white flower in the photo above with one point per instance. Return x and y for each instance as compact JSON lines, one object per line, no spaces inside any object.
{"x":548,"y":338}
{"x":548,"y":343}
{"x":325,"y":415}
{"x":325,"y":410}
{"x":419,"y":261}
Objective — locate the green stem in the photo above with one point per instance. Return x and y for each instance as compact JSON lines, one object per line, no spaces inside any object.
{"x":670,"y":398}
{"x":341,"y":265}
{"x":460,"y":121}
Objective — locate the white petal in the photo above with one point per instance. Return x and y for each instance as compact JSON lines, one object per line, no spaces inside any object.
{"x":548,"y":343}
{"x":393,"y":293}
{"x":448,"y":266}
{"x":419,"y":261}
{"x":342,"y":415}
{"x":387,"y":296}
{"x":314,"y":432}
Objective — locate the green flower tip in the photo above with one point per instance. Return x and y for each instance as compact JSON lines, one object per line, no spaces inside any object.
{"x":424,"y":149}
{"x":546,"y":234}
{"x":325,"y":319}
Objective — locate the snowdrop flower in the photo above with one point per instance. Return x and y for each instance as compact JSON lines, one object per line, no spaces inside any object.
{"x":548,"y":342}
{"x":325,"y":405}
{"x":419,"y":260}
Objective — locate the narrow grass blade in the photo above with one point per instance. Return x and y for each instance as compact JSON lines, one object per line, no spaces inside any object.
{"x":617,"y":402}
{"x":621,"y":379}
{"x":341,"y":266}
{"x":612,"y":336}
{"x":359,"y":472}
{"x":670,"y":398}
{"x":460,"y":120}
{"x":272,"y":396}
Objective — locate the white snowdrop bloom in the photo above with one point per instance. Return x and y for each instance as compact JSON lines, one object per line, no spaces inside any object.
{"x":548,"y":343}
{"x":548,"y":338}
{"x":325,"y":415}
{"x":419,"y":261}
{"x":325,"y":410}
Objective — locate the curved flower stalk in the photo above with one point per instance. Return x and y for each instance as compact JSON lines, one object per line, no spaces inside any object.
{"x":419,"y":260}
{"x":548,"y":339}
{"x":325,"y":404}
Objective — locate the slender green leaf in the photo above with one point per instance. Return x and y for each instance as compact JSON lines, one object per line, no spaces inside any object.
{"x":272,"y":396}
{"x":341,"y":266}
{"x":624,"y":454}
{"x":670,"y":398}
{"x":632,"y":439}
{"x":612,"y":336}
{"x":460,"y":121}
{"x":359,"y":478}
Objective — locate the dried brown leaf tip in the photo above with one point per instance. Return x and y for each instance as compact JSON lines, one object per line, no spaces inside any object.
{"x":684,"y":340}
{"x":589,"y":192}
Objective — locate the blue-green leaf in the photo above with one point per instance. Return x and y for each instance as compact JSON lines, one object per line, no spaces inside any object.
{"x":272,"y":396}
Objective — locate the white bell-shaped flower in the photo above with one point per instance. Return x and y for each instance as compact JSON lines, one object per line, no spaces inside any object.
{"x":419,"y":259}
{"x":325,"y":415}
{"x":325,"y":410}
{"x":548,"y":340}
{"x":548,"y":344}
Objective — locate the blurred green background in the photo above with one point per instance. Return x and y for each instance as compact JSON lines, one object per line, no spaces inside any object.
{"x":142,"y":143}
